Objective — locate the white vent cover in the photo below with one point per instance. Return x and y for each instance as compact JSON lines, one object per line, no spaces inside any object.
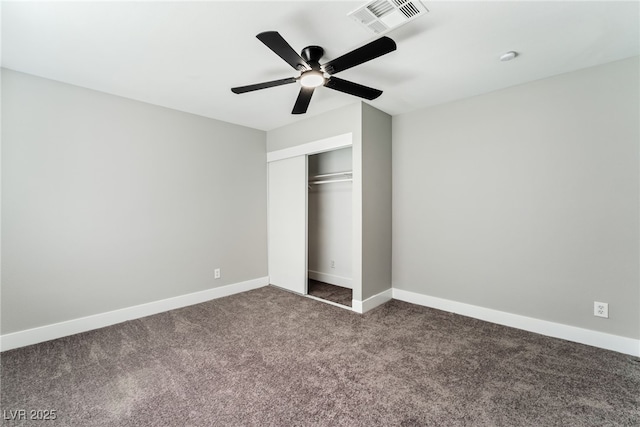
{"x":381,"y":16}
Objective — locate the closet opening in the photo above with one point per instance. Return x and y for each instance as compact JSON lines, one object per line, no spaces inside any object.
{"x":329,"y":226}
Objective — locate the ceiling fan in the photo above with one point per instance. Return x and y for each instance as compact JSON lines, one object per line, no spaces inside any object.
{"x":313,"y":73}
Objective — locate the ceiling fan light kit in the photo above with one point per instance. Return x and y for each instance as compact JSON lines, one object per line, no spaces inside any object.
{"x":313,"y":74}
{"x":312,"y":78}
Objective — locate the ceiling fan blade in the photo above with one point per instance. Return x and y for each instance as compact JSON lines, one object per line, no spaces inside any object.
{"x":352,"y":88}
{"x":372,"y":50}
{"x":257,"y":86}
{"x":274,"y":41}
{"x":304,"y":97}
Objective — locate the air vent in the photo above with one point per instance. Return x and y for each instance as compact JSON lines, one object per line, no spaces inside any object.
{"x":380,"y":8}
{"x":382,"y":16}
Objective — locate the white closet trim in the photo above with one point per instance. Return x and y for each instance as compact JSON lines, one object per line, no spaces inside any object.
{"x":319,"y":146}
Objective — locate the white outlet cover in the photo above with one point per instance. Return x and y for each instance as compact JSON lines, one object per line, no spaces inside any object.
{"x":601,"y":309}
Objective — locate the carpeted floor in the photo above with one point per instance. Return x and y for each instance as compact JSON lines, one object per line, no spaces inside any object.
{"x":329,"y":292}
{"x":272,"y":358}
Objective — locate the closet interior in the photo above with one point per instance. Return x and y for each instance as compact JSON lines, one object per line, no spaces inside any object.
{"x":329,"y":222}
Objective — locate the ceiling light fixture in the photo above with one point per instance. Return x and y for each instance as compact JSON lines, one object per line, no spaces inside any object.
{"x":508,"y":56}
{"x":314,"y":74}
{"x":312,"y":78}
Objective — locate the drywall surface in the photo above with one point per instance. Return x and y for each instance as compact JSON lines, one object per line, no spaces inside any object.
{"x":336,"y":122}
{"x":109,"y":203}
{"x":376,"y":201}
{"x":329,"y":219}
{"x":526,"y":200}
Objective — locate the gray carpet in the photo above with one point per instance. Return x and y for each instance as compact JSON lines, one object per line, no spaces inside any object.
{"x":270,"y":357}
{"x":329,"y":292}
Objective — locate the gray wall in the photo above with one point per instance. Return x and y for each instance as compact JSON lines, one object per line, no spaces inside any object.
{"x":335,"y":122}
{"x":108,"y":203}
{"x":376,"y":201}
{"x":525,"y":200}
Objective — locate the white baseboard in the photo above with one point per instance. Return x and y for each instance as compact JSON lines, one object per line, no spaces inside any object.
{"x":371,"y":302}
{"x":557,"y":330}
{"x":84,"y":324}
{"x":331,"y":279}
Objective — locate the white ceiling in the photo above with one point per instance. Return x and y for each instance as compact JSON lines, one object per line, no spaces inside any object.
{"x":187,"y":55}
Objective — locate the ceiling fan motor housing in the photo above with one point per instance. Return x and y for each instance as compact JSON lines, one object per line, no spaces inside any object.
{"x":312,"y":55}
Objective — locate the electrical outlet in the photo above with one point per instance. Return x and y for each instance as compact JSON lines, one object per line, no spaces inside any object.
{"x":333,"y":264}
{"x":216,"y":273}
{"x":601,"y":309}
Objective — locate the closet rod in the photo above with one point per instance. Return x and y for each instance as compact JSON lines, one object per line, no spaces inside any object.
{"x":326,"y":175}
{"x":330,"y":181}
